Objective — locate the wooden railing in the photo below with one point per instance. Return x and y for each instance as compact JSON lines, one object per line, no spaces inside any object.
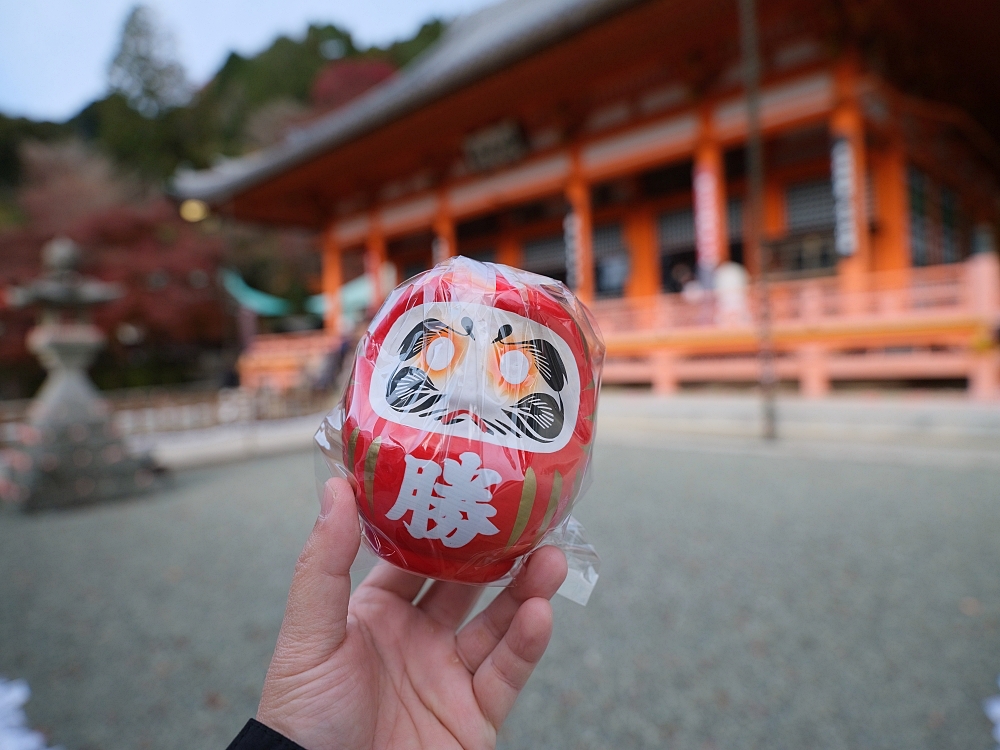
{"x":938,"y":289}
{"x":285,"y":361}
{"x":138,"y":411}
{"x":164,"y":412}
{"x":939,"y":322}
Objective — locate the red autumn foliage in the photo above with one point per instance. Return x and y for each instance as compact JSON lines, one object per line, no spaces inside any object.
{"x":167,"y":267}
{"x":20,"y":250}
{"x":343,"y":80}
{"x":64,"y":183}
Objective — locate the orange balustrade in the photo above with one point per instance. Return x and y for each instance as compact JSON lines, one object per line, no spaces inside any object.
{"x":922,"y":323}
{"x":284,"y":361}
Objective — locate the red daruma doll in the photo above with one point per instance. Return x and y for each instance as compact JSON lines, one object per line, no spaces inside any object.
{"x":468,"y":421}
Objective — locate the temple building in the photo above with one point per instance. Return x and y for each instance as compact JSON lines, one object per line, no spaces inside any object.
{"x":603,"y":143}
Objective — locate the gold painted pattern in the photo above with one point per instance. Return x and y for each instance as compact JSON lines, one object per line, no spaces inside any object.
{"x":528,"y":491}
{"x":550,"y":511}
{"x":352,"y":445}
{"x":370,"y":460}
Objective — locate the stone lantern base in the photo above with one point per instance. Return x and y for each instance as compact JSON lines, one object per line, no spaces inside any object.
{"x":70,"y":452}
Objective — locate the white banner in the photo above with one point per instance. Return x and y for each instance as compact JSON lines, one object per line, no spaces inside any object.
{"x":845,"y":188}
{"x":708,"y":231}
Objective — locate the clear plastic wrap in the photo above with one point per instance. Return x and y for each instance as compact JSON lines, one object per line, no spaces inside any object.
{"x":468,"y":424}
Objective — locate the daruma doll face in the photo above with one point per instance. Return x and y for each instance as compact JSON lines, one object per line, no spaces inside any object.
{"x":469,"y":418}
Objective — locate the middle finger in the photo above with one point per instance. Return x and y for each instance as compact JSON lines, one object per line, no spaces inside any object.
{"x":542,"y":576}
{"x":449,"y":603}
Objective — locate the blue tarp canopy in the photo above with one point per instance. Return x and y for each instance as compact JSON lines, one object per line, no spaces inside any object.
{"x":355,"y":296}
{"x":260,"y":302}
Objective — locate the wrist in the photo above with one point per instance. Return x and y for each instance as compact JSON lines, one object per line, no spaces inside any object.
{"x":256,"y":735}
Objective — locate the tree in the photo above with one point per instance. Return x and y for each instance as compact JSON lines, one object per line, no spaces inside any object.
{"x":66,"y":182}
{"x":343,"y":80}
{"x":268,"y":124}
{"x":144,"y":70}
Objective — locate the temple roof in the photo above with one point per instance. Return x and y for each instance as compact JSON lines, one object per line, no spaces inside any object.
{"x":937,"y":53}
{"x":472,"y":48}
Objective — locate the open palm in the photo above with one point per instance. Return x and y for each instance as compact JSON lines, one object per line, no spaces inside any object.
{"x":375,"y":670}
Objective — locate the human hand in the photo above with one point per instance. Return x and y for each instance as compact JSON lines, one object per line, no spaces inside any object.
{"x":375,"y":670}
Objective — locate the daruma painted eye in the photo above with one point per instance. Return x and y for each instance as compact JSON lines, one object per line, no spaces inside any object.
{"x":440,"y":352}
{"x":514,"y":367}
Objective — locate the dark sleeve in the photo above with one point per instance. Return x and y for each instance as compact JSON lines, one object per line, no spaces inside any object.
{"x":256,"y":736}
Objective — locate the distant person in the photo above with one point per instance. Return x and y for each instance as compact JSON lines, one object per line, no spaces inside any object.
{"x":694,"y":293}
{"x":375,"y":670}
{"x":731,"y":283}
{"x":231,"y":378}
{"x":691,"y":289}
{"x":333,"y":363}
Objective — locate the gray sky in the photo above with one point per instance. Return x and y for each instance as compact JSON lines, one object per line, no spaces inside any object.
{"x":54,"y":54}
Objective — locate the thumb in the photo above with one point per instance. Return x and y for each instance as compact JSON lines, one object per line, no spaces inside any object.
{"x":316,"y":615}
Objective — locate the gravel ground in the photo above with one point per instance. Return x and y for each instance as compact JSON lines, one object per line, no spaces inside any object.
{"x":749,"y":598}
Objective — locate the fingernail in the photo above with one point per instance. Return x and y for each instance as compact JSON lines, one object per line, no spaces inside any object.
{"x":326,"y":502}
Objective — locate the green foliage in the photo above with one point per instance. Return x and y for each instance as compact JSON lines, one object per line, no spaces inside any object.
{"x":144,"y":70}
{"x":141,"y":126}
{"x":404,"y":51}
{"x":10,"y":213}
{"x":275,"y":262}
{"x":143,"y":369}
{"x":152,"y":147}
{"x":148,"y":129}
{"x":285,"y":70}
{"x":14,"y":130}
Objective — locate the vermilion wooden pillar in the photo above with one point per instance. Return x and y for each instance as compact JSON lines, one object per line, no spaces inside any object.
{"x":773,"y":220}
{"x":640,"y":235}
{"x":982,"y":284}
{"x":891,"y":242}
{"x":578,"y":197}
{"x":331,"y":281}
{"x":509,"y":251}
{"x":375,"y":257}
{"x":709,"y":179}
{"x":445,"y":242}
{"x":848,"y":165}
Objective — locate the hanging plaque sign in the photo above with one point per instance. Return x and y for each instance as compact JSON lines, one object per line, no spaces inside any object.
{"x":845,"y":187}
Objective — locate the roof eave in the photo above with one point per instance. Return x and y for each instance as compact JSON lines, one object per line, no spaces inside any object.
{"x":419,"y":86}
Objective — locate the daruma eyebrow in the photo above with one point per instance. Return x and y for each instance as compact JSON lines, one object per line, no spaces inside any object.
{"x":416,"y":339}
{"x":548,"y":362}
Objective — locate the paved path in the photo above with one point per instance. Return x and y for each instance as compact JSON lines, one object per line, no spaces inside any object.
{"x":790,"y":596}
{"x":948,"y":422}
{"x":888,"y":418}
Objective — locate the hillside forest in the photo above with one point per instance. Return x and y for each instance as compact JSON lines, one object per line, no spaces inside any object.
{"x":100,"y":177}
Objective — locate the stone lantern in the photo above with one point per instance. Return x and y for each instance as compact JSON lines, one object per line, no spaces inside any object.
{"x":70,"y":452}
